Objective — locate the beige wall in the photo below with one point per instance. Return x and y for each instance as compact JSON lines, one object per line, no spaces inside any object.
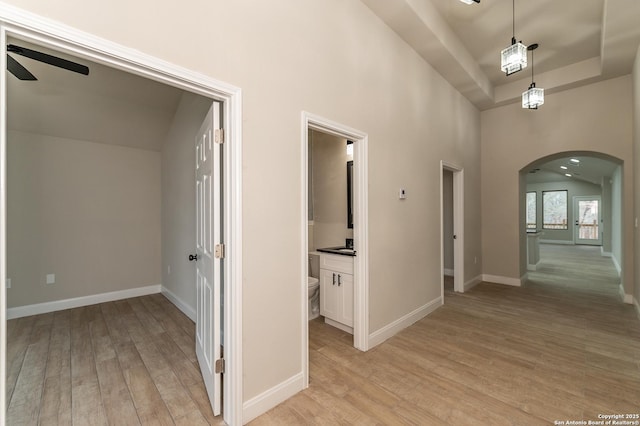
{"x":636,"y":167}
{"x":606,"y":214}
{"x":87,"y":212}
{"x":329,"y":190}
{"x":591,"y":118}
{"x":178,"y":198}
{"x":617,"y":225}
{"x":336,"y":59}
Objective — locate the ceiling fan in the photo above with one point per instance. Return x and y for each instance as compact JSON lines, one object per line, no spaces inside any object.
{"x":15,"y":68}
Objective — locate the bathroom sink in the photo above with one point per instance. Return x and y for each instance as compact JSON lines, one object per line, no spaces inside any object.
{"x":345,"y":251}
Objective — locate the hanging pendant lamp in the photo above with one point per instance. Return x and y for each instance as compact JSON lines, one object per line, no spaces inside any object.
{"x":514,"y":57}
{"x":534,"y":97}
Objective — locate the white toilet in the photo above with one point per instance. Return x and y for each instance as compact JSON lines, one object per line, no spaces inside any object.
{"x":313,"y":285}
{"x":314,"y":297}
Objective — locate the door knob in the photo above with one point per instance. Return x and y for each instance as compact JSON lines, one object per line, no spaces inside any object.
{"x":193,"y":257}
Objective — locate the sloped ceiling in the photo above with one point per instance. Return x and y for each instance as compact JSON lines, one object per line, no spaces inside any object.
{"x":107,"y":106}
{"x":581,"y":41}
{"x":589,"y":169}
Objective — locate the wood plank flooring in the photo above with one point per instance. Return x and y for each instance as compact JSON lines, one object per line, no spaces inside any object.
{"x":129,"y":362}
{"x":563,"y":347}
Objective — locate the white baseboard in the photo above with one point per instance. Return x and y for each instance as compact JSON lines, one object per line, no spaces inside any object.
{"x":179,"y":303}
{"x":76,"y":302}
{"x":605,"y":253}
{"x":390,"y":330}
{"x":496,"y":279}
{"x":341,"y":326}
{"x":448,"y":272}
{"x":267,"y":400}
{"x":626,"y":298}
{"x":532,"y":266}
{"x":472,"y":283}
{"x":561,"y":242}
{"x":617,"y":265}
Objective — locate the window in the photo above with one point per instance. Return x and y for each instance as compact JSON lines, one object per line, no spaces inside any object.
{"x":532,"y":222}
{"x":554,"y":210}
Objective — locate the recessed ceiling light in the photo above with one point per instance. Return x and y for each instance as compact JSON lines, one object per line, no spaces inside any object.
{"x":470,"y":1}
{"x":567,"y":174}
{"x":574,"y":160}
{"x":563,"y":167}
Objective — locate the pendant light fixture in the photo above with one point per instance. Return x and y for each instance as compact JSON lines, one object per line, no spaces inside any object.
{"x":470,"y":1}
{"x":534,"y":97}
{"x":514,"y":57}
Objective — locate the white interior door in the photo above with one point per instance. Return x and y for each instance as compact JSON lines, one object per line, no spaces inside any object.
{"x":587,"y":218}
{"x":209,"y":251}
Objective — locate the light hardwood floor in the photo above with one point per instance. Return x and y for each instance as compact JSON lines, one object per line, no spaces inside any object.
{"x":121,"y":363}
{"x":563,"y":347}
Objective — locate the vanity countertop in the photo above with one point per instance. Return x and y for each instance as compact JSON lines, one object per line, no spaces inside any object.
{"x":341,"y":250}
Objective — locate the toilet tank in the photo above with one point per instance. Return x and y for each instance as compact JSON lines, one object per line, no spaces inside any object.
{"x":314,"y":265}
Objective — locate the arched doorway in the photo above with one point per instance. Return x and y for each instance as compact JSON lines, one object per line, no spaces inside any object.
{"x":571,"y":221}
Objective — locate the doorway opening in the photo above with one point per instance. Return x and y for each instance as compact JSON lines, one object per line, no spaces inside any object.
{"x":572,"y":206}
{"x":343,"y":264}
{"x":587,"y":218}
{"x":452,"y":227}
{"x":36,"y":30}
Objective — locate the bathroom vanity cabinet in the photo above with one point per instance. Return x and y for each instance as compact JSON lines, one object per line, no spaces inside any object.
{"x":336,"y":290}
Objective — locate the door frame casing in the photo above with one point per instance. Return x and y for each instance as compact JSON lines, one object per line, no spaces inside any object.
{"x":458,"y":225}
{"x":360,"y":231}
{"x":27,"y":26}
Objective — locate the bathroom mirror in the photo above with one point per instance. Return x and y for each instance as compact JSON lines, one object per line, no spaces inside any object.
{"x":350,"y":194}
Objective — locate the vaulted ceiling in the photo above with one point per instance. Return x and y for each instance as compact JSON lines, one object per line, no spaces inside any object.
{"x":587,"y":168}
{"x":580,"y":41}
{"x":107,"y":106}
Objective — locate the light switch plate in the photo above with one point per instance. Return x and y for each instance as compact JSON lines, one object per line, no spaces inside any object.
{"x":402,"y":194}
{"x":51,"y":278}
{"x":8,"y":282}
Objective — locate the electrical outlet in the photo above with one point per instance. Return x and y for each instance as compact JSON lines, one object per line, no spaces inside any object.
{"x":8,"y":282}
{"x":51,"y":278}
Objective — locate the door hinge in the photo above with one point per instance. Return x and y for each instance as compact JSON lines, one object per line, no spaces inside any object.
{"x":219,"y":251}
{"x":218,"y":136}
{"x":219,"y":367}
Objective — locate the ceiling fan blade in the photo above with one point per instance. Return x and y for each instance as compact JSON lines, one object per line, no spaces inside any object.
{"x":15,"y":68}
{"x":48,"y":59}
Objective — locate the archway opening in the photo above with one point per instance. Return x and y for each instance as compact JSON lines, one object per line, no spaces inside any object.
{"x":571,"y":223}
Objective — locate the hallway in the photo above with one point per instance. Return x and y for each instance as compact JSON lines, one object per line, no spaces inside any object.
{"x":562,"y":347}
{"x":579,"y":268}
